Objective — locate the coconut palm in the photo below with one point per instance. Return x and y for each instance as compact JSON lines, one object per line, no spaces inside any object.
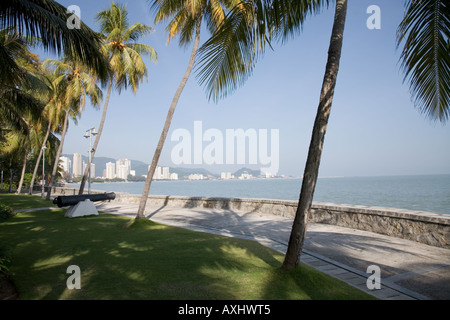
{"x":282,"y":19}
{"x":48,"y":20}
{"x":74,"y":83}
{"x":185,"y":20}
{"x":18,"y":90}
{"x":425,"y":61}
{"x":311,"y":172}
{"x":53,"y":121}
{"x":18,"y":144}
{"x":125,"y":57}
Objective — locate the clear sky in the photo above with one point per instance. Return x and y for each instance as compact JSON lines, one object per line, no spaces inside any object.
{"x":374,"y":128}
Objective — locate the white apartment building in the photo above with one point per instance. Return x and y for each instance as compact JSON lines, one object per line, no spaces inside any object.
{"x":92,"y":169}
{"x":196,"y":176}
{"x":226,"y":176}
{"x":163,"y":173}
{"x":110,"y":170}
{"x":123,"y":168}
{"x":77,"y":165}
{"x":66,"y":164}
{"x":245,"y":176}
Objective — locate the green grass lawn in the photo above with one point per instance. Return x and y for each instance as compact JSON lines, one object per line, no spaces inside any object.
{"x":24,"y":201}
{"x":120,"y":259}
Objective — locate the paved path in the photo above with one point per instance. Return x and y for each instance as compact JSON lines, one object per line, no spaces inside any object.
{"x":409,"y":270}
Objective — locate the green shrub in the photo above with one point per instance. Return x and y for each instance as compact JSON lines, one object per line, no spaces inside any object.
{"x":5,"y":212}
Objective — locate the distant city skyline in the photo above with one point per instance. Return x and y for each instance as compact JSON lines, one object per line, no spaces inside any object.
{"x":122,"y":169}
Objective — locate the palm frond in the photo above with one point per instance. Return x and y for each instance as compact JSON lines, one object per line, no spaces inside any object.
{"x":228,"y":58}
{"x":137,"y":31}
{"x":15,"y":104}
{"x":425,"y":58}
{"x":47,"y":20}
{"x":146,"y":50}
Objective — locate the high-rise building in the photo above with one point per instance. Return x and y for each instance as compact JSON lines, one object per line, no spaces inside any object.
{"x":66,"y":164}
{"x":92,"y":169}
{"x":123,"y":168}
{"x":110,"y":170}
{"x":77,"y":165}
{"x":158,"y":173}
{"x":166,"y":173}
{"x":162,"y":173}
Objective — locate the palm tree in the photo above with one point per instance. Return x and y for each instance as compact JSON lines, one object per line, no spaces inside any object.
{"x":311,"y":172}
{"x":425,"y":61}
{"x":186,"y":19}
{"x":125,"y":57}
{"x":53,"y":118}
{"x":280,"y":21}
{"x":47,"y":20}
{"x":17,"y":144}
{"x":18,"y":90}
{"x":74,"y":84}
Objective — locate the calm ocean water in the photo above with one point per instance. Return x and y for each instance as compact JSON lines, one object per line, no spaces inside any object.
{"x":423,"y":193}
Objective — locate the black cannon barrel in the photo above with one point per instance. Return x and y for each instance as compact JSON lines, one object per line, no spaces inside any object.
{"x":67,"y":201}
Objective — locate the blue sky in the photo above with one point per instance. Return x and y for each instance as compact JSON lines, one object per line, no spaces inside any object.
{"x":374,"y":128}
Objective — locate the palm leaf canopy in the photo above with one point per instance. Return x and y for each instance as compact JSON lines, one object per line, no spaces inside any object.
{"x":183,"y":16}
{"x":227,"y":59}
{"x":20,"y":81}
{"x":121,"y":48}
{"x":425,"y":57}
{"x":73,"y":84}
{"x":47,"y":20}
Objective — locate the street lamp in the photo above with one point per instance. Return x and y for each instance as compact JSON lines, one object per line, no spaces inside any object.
{"x":43,"y":170}
{"x":88,"y":135}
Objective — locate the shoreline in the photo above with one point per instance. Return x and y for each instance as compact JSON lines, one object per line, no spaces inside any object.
{"x":418,"y":193}
{"x":420,"y":226}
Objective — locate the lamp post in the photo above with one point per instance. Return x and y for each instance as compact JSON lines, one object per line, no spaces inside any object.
{"x":89,"y":133}
{"x":43,"y":170}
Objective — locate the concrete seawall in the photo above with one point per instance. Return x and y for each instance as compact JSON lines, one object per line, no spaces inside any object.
{"x":423,"y":227}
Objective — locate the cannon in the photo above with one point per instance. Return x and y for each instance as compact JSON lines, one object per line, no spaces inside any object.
{"x":67,"y":201}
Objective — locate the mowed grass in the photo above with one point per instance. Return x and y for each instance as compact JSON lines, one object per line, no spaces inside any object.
{"x":18,"y":202}
{"x":122,"y":259}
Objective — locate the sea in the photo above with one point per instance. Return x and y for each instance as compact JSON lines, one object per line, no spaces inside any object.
{"x":429,"y":193}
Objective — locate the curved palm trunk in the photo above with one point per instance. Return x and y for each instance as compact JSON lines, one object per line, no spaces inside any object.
{"x":97,"y":139}
{"x":162,"y":139}
{"x":58,"y":154}
{"x":38,"y":161}
{"x":299,"y":227}
{"x":22,"y":175}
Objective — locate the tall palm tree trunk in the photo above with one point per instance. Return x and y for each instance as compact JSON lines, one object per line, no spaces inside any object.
{"x":22,"y":175}
{"x":97,"y":139}
{"x":11,"y":178}
{"x":38,"y":161}
{"x":162,"y":139}
{"x":58,"y":154}
{"x":311,"y":172}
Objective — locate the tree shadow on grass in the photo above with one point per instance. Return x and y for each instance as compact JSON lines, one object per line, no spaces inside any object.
{"x":122,"y":261}
{"x":117,"y":261}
